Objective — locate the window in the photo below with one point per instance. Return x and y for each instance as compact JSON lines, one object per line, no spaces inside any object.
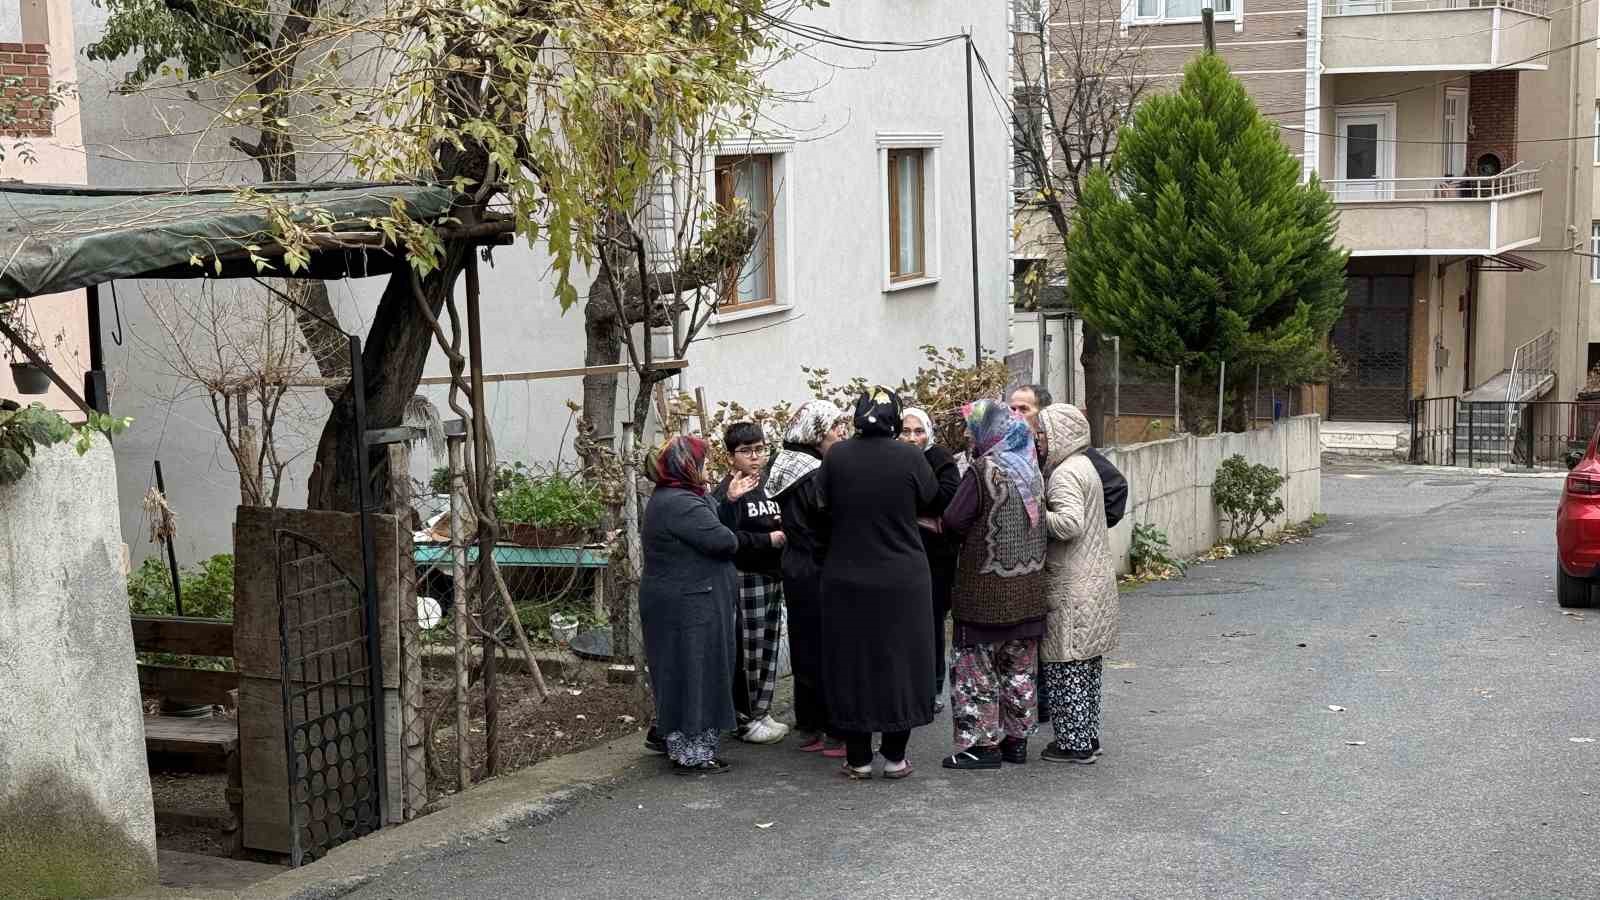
{"x":1455,"y":132}
{"x":1596,"y":132}
{"x":746,"y":181}
{"x":1028,"y":143}
{"x":1166,"y":10}
{"x":907,"y":216}
{"x":1594,"y":251}
{"x":1025,"y":16}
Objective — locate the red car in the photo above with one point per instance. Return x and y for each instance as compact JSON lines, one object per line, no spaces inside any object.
{"x":1578,"y":532}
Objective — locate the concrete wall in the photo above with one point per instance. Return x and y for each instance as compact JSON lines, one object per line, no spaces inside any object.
{"x":1169,"y":482}
{"x":75,"y":809}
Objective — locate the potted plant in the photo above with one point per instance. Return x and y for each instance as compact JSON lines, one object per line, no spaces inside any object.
{"x":29,"y":378}
{"x":545,"y":509}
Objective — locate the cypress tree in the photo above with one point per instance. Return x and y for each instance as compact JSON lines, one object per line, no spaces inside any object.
{"x":1201,"y":245}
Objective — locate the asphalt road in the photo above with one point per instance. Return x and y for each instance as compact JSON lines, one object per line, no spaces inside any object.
{"x":1425,"y":609}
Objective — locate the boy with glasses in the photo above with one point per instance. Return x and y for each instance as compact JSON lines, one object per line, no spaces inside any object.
{"x":760,"y":613}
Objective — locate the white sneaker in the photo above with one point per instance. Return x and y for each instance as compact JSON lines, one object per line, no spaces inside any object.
{"x":765,"y":730}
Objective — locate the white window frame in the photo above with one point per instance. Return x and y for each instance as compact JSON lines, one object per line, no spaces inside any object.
{"x":1387,"y":113}
{"x":1465,"y":111}
{"x":1233,"y":13}
{"x":932,"y":221}
{"x":1594,"y":251}
{"x":783,"y":206}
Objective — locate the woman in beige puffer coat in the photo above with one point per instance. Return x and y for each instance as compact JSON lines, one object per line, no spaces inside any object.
{"x":1081,"y":626}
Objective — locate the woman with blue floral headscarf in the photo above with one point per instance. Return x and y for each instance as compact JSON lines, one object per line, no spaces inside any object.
{"x":998,"y":601}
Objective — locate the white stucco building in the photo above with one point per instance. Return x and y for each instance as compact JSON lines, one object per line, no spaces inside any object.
{"x":868,"y":258}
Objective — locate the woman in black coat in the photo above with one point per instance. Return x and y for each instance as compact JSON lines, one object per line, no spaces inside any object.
{"x":792,"y":481}
{"x":916,"y":429}
{"x":877,"y":593}
{"x":687,"y":596}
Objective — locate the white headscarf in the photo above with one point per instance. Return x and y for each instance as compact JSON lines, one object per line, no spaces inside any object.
{"x":927,"y":423}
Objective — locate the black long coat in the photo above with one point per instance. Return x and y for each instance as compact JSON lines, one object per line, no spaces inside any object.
{"x":687,"y":596}
{"x":877,"y":609}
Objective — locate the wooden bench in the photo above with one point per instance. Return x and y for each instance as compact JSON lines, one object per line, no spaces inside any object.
{"x":210,"y":738}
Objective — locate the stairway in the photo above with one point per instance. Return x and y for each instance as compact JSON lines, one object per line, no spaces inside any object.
{"x":1486,"y":429}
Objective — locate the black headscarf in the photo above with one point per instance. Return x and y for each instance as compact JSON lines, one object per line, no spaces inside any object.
{"x":878,"y":413}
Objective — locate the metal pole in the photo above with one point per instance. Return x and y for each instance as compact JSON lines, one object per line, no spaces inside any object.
{"x":1472,"y":434}
{"x":1255,"y":399}
{"x":1116,"y":391}
{"x":1222,"y":379}
{"x":1177,"y":399}
{"x":172,"y":553}
{"x":1072,"y":359}
{"x":485,"y":503}
{"x":1044,"y":349}
{"x":369,"y":575}
{"x":972,"y":214}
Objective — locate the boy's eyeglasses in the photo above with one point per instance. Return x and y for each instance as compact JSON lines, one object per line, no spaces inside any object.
{"x":753,"y":450}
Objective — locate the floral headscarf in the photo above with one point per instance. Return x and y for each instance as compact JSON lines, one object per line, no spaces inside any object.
{"x":680,"y":464}
{"x":878,"y":413}
{"x":1004,"y":438}
{"x":799,"y":456}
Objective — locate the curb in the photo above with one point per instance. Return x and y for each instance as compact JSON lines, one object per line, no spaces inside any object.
{"x":529,"y":796}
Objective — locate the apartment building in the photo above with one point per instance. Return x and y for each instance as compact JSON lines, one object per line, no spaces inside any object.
{"x":1454,"y":137}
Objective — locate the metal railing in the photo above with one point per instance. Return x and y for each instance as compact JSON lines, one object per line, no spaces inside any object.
{"x":1515,"y":180}
{"x":1376,"y":7}
{"x":1531,"y":364}
{"x":1532,"y":434}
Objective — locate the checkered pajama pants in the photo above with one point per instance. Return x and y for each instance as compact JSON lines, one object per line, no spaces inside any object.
{"x":760,"y":630}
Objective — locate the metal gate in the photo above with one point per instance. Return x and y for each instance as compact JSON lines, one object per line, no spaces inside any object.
{"x":332,"y":700}
{"x":1373,"y":338}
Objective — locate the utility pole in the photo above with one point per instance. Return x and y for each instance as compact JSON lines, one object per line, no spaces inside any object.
{"x":1208,"y":25}
{"x":972,"y":215}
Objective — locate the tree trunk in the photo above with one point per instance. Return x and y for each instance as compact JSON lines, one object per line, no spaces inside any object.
{"x":1094,"y":385}
{"x":393,"y":356}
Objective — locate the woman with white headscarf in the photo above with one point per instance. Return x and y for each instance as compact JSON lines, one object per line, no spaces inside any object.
{"x":792,"y":481}
{"x":916,"y":429}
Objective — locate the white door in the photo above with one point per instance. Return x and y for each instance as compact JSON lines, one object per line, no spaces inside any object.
{"x":1455,"y":132}
{"x":1365,"y":156}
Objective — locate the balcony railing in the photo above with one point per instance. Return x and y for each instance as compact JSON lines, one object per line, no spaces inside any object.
{"x":1516,"y":180}
{"x":1373,"y":7}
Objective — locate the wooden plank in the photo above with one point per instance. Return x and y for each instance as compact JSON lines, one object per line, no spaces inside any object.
{"x":171,"y":734}
{"x":665,"y":365}
{"x":189,"y":685}
{"x":186,"y":635}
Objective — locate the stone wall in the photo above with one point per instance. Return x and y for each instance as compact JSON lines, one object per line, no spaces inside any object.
{"x":75,"y":810}
{"x":1169,"y":482}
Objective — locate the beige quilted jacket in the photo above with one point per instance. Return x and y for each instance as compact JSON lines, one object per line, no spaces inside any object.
{"x":1082,"y":578}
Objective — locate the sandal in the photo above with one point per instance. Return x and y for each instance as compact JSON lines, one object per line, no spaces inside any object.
{"x":815,"y":746}
{"x":897,"y":774}
{"x":709,"y":767}
{"x":855,"y":774}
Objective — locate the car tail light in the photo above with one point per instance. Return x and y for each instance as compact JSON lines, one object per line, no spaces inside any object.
{"x":1584,"y":484}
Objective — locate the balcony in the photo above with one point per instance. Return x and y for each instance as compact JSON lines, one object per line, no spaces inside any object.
{"x":1434,"y":35}
{"x":1440,"y":216}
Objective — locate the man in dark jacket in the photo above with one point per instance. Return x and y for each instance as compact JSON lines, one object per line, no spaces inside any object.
{"x":760,"y":612}
{"x":1026,"y":401}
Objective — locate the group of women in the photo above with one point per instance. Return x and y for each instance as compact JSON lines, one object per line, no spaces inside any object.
{"x":882,"y":534}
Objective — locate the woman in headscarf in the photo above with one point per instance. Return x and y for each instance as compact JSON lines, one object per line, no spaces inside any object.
{"x":916,"y":429}
{"x":792,"y":481}
{"x":998,"y":600}
{"x":687,"y":596}
{"x":877,"y":596}
{"x":1082,"y":592}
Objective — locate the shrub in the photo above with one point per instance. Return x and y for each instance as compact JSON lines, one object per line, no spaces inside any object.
{"x":1247,"y":495}
{"x":207,"y":589}
{"x":547,"y":499}
{"x":1151,"y":554}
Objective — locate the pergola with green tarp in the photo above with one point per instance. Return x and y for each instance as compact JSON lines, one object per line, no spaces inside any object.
{"x":59,"y":238}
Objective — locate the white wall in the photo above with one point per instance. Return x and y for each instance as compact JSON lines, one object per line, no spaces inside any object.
{"x":838,"y":314}
{"x":75,"y":809}
{"x":1169,"y":482}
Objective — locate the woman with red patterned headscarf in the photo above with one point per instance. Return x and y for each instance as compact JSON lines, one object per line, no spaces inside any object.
{"x":687,"y":595}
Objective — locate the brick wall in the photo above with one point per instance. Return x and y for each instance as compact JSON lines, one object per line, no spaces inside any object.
{"x":1492,"y":107}
{"x":25,"y":108}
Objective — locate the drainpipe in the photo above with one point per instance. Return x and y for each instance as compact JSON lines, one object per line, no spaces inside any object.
{"x":1311,"y":139}
{"x":1570,"y":229}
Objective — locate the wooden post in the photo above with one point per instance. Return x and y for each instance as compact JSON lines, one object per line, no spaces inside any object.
{"x":1208,"y":26}
{"x":705,"y":420}
{"x":250,"y":485}
{"x":460,"y":610}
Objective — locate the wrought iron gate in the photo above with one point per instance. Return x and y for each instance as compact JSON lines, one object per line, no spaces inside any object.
{"x":332,"y":700}
{"x":1373,"y":338}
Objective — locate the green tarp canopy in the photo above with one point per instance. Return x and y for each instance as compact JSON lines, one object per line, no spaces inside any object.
{"x":56,"y":238}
